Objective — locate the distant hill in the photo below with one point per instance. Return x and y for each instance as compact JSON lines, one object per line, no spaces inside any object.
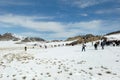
{"x":77,"y":39}
{"x":32,"y":39}
{"x":10,"y":36}
{"x":7,"y":37}
{"x":84,"y":38}
{"x":115,"y":32}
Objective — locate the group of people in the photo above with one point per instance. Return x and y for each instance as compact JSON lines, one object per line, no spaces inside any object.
{"x":45,"y":46}
{"x":95,"y":45}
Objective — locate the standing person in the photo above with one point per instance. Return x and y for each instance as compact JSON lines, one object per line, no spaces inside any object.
{"x":95,"y":46}
{"x":25,"y":48}
{"x":83,"y":47}
{"x":45,"y":47}
{"x":113,"y":43}
{"x":102,"y":44}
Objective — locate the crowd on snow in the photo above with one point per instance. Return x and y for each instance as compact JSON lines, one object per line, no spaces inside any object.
{"x":103,"y":43}
{"x":45,"y":46}
{"x":96,"y":44}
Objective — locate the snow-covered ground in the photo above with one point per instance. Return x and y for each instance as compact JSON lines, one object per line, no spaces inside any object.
{"x":58,"y":63}
{"x":113,"y":37}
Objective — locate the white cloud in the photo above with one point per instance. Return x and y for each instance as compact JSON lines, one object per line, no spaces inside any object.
{"x":84,"y":3}
{"x":65,"y":34}
{"x":110,"y":25}
{"x":31,"y":34}
{"x":56,"y":29}
{"x":88,"y":25}
{"x":108,"y":11}
{"x":4,"y":25}
{"x":74,"y":29}
{"x":84,"y":14}
{"x":30,"y":22}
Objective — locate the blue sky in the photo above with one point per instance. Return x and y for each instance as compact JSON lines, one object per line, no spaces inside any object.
{"x":59,"y":19}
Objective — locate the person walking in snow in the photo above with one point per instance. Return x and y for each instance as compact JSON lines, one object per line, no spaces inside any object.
{"x":25,"y":48}
{"x":103,"y":44}
{"x":95,"y":46}
{"x":45,"y":47}
{"x":83,"y":47}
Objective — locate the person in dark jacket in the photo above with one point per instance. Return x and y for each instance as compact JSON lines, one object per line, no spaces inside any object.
{"x":95,"y":46}
{"x":83,"y":47}
{"x":25,"y":48}
{"x":102,"y":44}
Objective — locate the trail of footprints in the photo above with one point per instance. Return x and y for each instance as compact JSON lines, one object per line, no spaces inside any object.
{"x":66,"y":67}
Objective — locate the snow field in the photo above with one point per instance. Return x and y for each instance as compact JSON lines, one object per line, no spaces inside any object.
{"x":60,"y":63}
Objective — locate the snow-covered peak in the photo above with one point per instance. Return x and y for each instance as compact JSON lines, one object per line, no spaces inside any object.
{"x":18,"y":36}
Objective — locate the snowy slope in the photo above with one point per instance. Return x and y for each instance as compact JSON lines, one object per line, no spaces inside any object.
{"x":59,"y":63}
{"x":18,"y":36}
{"x":113,"y":37}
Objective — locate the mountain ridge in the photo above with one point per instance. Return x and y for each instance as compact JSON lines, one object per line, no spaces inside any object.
{"x":79,"y":39}
{"x":14,"y":37}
